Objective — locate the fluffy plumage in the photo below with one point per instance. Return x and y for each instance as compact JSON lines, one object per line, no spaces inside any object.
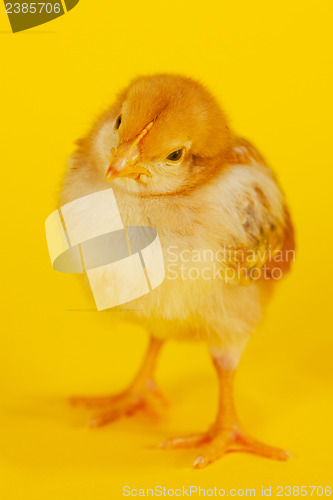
{"x":219,"y":195}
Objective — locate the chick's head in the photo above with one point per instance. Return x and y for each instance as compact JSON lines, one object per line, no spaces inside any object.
{"x":165,"y":134}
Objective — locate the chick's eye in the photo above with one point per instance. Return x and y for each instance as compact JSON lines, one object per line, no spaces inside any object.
{"x":175,"y":155}
{"x":118,"y":122}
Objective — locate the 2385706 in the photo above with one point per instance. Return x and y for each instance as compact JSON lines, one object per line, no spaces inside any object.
{"x":295,"y":491}
{"x":33,"y":8}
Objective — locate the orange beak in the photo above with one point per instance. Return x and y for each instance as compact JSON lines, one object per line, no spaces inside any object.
{"x":121,"y":165}
{"x":130,"y":172}
{"x":124,"y":158}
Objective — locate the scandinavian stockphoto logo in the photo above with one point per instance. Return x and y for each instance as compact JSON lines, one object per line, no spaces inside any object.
{"x":88,"y":236}
{"x":24,"y":15}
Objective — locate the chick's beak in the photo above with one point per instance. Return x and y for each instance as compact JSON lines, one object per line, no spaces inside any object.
{"x":122,"y":164}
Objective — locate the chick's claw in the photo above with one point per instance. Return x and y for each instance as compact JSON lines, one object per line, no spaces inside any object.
{"x":216,"y":443}
{"x":147,"y":400}
{"x":185,"y":442}
{"x":256,"y":447}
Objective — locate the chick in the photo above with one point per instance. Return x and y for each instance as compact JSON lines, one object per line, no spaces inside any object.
{"x":166,"y":149}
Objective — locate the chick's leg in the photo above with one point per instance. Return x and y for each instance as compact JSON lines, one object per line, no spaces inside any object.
{"x":141,"y":396}
{"x":226,"y":434}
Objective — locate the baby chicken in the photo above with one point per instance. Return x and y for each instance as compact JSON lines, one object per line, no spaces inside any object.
{"x":166,"y":149}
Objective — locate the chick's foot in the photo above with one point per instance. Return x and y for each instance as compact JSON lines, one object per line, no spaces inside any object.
{"x":146,"y":399}
{"x":218,"y":441}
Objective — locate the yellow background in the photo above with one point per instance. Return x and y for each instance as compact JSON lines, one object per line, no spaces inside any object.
{"x":270,"y":65}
